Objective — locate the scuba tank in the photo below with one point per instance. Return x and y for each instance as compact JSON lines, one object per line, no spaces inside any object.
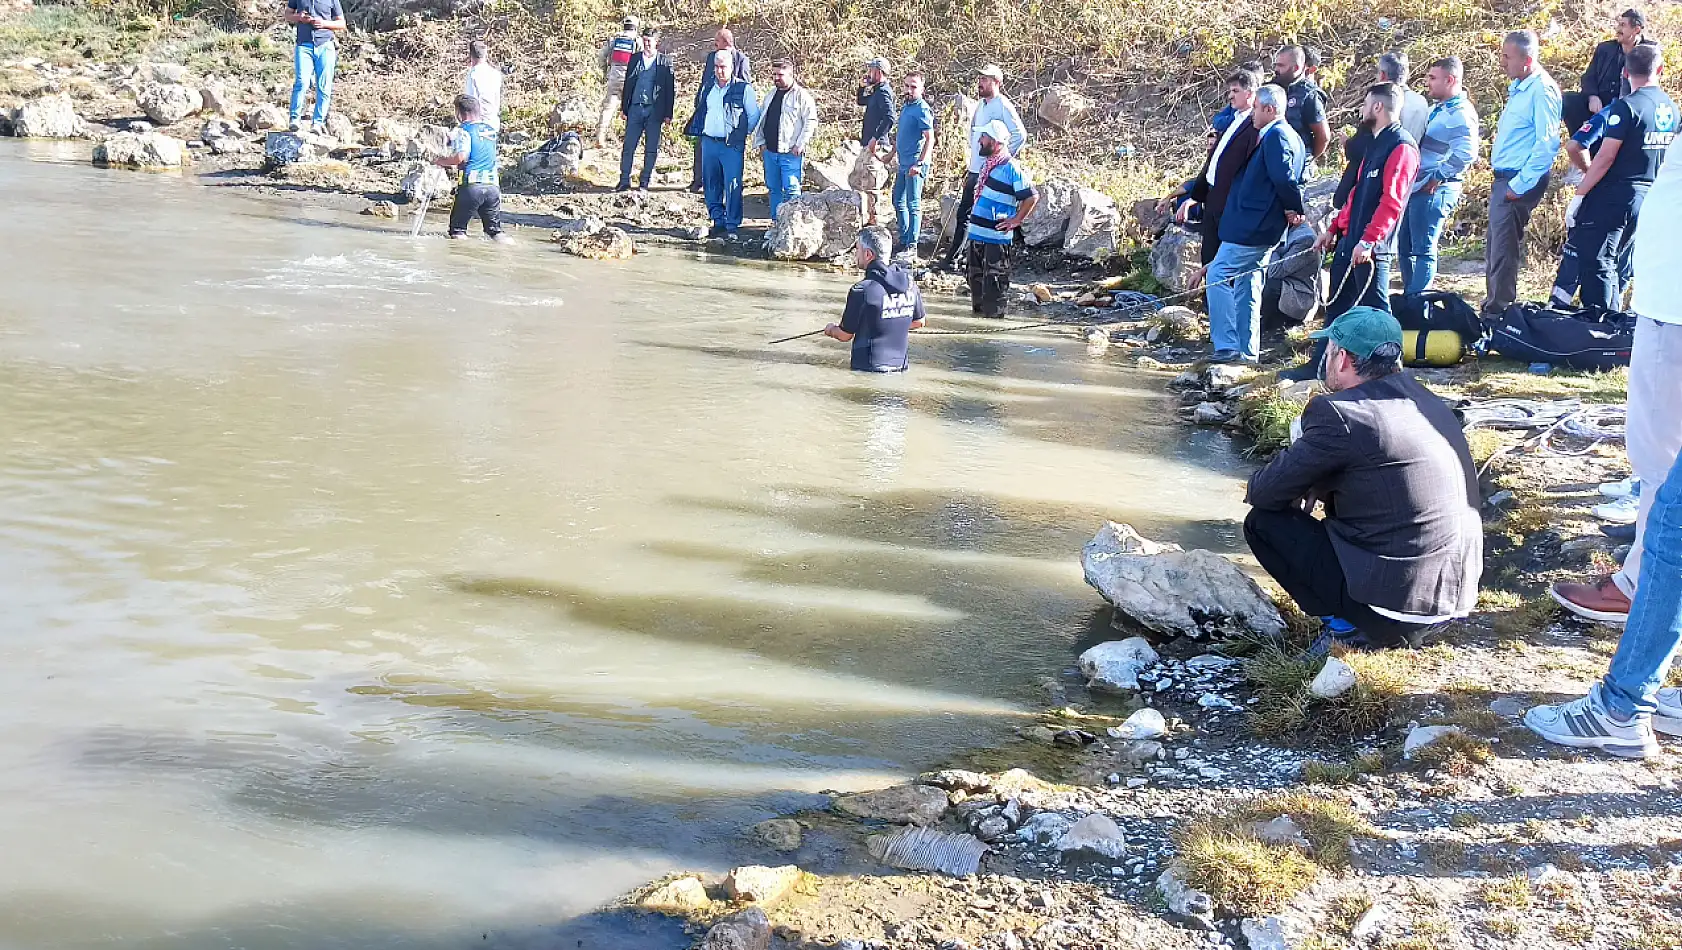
{"x":1432,"y":348}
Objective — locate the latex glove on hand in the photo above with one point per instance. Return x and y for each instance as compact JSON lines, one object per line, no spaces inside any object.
{"x":1571,"y":210}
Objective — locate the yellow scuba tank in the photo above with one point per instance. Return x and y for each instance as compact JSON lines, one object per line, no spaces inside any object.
{"x":1432,"y":348}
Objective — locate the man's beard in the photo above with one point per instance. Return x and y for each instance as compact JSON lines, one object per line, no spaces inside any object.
{"x":989,"y":150}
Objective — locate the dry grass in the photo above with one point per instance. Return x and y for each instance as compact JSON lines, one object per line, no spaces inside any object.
{"x":1512,"y":893}
{"x":1505,"y":379}
{"x":1241,"y":872}
{"x":1265,"y":415}
{"x":1444,"y":854}
{"x":1320,"y":772}
{"x":1458,"y":754}
{"x":1574,"y":931}
{"x":1287,"y":709}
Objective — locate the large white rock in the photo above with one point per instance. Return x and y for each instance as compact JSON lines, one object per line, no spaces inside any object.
{"x":834,"y":171}
{"x":1049,"y":220}
{"x":575,"y":114}
{"x":431,"y":141}
{"x":383,"y":131}
{"x":1272,"y":933}
{"x":1095,"y":833}
{"x":1333,"y":680}
{"x":1093,"y":223}
{"x":424,"y":181}
{"x":1116,"y":665}
{"x":1180,"y":593}
{"x":816,"y":226}
{"x":683,"y":894}
{"x":1062,"y":106}
{"x":262,"y":118}
{"x":1182,"y":899}
{"x":167,"y":103}
{"x":49,"y":117}
{"x":1146,"y":723}
{"x":757,"y":884}
{"x":340,"y":129}
{"x":1175,"y":260}
{"x":140,"y":150}
{"x":214,"y":94}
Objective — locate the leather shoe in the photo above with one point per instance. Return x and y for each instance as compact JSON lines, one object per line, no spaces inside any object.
{"x":1601,"y":601}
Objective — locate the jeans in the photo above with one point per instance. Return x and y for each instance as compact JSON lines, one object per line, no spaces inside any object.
{"x":1235,"y":301}
{"x":1504,"y":246}
{"x":1422,"y":225}
{"x":721,"y":169}
{"x":1652,"y":428}
{"x":641,"y":126}
{"x":313,"y":65}
{"x":908,"y":206}
{"x":1655,"y":617}
{"x":1599,"y":243}
{"x":782,"y":177}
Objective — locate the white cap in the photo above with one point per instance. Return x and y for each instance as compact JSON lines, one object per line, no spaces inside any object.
{"x":992,"y":70}
{"x":996,"y":131}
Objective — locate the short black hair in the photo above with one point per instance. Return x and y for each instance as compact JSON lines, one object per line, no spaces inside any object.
{"x":1643,"y":61}
{"x":1311,"y":57}
{"x":1245,"y":79}
{"x":1635,"y":17}
{"x":1388,"y":93}
{"x":467,"y":105}
{"x":1252,"y":65}
{"x":1385,"y":360}
{"x":1451,"y":65}
{"x":478,"y":49}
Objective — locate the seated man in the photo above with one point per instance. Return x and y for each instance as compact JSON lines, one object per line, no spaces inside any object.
{"x":882,"y":309}
{"x":1291,"y":290}
{"x":1401,"y":545}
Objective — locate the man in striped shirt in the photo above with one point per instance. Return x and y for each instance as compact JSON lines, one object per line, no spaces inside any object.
{"x":1447,"y":150}
{"x":1004,"y":197}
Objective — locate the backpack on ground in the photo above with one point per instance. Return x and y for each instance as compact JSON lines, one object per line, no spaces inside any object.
{"x":1438,"y":327}
{"x":1579,"y":339}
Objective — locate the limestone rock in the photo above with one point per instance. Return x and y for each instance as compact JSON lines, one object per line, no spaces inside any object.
{"x":816,"y":226}
{"x":1174,"y":259}
{"x":424,"y":181}
{"x":573,"y":227}
{"x":263,"y":117}
{"x":1368,"y":925}
{"x":1049,"y":220}
{"x":289,"y":148}
{"x":1096,"y":833}
{"x":757,"y":884}
{"x":214,"y":95}
{"x":168,"y":103}
{"x":1173,"y":324}
{"x":1220,"y":377}
{"x":1115,"y":538}
{"x":901,"y":804}
{"x":574,"y":114}
{"x":169,"y":73}
{"x":1211,"y":414}
{"x":606,"y":244}
{"x":1272,"y":933}
{"x":1421,"y":736}
{"x":1182,"y":899}
{"x":1044,"y":829}
{"x":431,"y":141}
{"x":1062,"y":106}
{"x":1180,"y":593}
{"x":833,"y":172}
{"x":1116,"y":665}
{"x":779,"y":834}
{"x":218,"y":128}
{"x":381,"y":209}
{"x":683,"y":894}
{"x":232,"y":145}
{"x":340,"y":129}
{"x":48,"y":117}
{"x":140,"y":150}
{"x":1093,"y":223}
{"x":747,"y":930}
{"x":1334,"y":679}
{"x":1146,"y":723}
{"x":958,"y":780}
{"x":383,"y":131}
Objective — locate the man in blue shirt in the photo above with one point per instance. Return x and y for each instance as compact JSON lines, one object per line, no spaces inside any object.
{"x":913,"y":144}
{"x":473,"y":150}
{"x":314,"y":56}
{"x":1447,"y":149}
{"x":882,"y":309}
{"x":1004,"y":197}
{"x":725,"y":115}
{"x":1526,"y":141}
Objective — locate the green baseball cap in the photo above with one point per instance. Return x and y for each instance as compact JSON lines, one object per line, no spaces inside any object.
{"x":1361,"y":330}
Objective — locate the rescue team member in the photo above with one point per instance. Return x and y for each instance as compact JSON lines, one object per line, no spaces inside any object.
{"x":994,"y":107}
{"x":784,"y":132}
{"x":616,"y":59}
{"x":1449,"y":147}
{"x":1580,"y":150}
{"x":724,"y":41}
{"x":473,"y":150}
{"x":1004,"y":197}
{"x":724,"y":117}
{"x":650,"y":97}
{"x":1305,"y":103}
{"x":484,"y":83}
{"x":1603,"y":213}
{"x":1526,"y":141}
{"x":870,"y":174}
{"x":882,"y":309}
{"x":1364,"y":231}
{"x":314,"y":57}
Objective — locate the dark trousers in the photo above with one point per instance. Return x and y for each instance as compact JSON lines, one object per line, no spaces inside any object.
{"x":1365,"y":286}
{"x":641,"y":126}
{"x":1210,"y":245}
{"x":699,"y":179}
{"x":1295,"y":549}
{"x":989,"y":277}
{"x":966,"y":204}
{"x":1601,"y":241}
{"x":482,"y":200}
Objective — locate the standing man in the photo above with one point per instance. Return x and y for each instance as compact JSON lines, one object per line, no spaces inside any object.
{"x":484,"y":83}
{"x":724,"y":41}
{"x":1393,"y":68}
{"x":1364,"y":231}
{"x":1305,"y":103}
{"x":649,"y":100}
{"x":994,"y":107}
{"x":1604,"y":80}
{"x":1004,"y":198}
{"x":1603,"y":213}
{"x":1526,"y":141}
{"x":870,"y":173}
{"x":1265,"y":200}
{"x":473,"y":150}
{"x":616,"y":57}
{"x":314,"y":57}
{"x":913,"y":145}
{"x":1449,"y":148}
{"x":882,"y":309}
{"x":784,"y":133}
{"x":1222,"y":166}
{"x":724,"y":117}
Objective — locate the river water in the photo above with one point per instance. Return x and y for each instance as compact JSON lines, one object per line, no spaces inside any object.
{"x":362,"y":591}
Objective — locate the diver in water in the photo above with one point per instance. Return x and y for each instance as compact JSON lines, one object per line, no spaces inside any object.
{"x":882,"y":309}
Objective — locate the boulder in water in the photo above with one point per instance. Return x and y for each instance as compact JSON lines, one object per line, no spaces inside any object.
{"x":48,"y":117}
{"x":604,"y":244}
{"x":681,"y":895}
{"x":816,"y":226}
{"x":424,"y":181}
{"x":140,"y":150}
{"x":1116,"y":665}
{"x":167,"y":103}
{"x":901,"y":804}
{"x":1177,"y":593}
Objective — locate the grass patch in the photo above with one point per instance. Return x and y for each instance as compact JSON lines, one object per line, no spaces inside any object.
{"x":1528,"y":616}
{"x":1328,"y":825}
{"x":1458,"y":754}
{"x":1484,"y":443}
{"x":1510,"y":893}
{"x":1505,"y":927}
{"x":1573,"y":931}
{"x":1443,"y":854}
{"x":1287,"y":709}
{"x":1343,"y":911}
{"x":1321,"y":772}
{"x":1266,"y":416}
{"x":1511,"y":380}
{"x":1240,"y":871}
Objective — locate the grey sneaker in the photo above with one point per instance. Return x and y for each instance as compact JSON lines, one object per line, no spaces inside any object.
{"x":292,"y":126}
{"x":1668,"y":719}
{"x":1587,"y":724}
{"x":319,"y":128}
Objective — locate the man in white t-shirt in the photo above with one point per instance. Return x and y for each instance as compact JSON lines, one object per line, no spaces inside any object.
{"x":484,"y":83}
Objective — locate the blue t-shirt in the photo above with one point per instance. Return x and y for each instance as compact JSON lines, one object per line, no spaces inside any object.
{"x":321,"y":10}
{"x":477,"y":142}
{"x":914,"y":120}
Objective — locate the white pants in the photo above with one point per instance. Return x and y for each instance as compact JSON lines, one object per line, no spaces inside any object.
{"x":1653,"y":426}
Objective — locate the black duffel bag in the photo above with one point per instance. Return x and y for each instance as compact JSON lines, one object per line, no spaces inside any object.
{"x":1578,"y":339}
{"x":1438,"y":310}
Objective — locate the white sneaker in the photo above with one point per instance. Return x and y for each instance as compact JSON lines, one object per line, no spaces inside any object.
{"x":1668,"y":719}
{"x":1622,"y":488}
{"x":1621,"y":511}
{"x":1586,"y":724}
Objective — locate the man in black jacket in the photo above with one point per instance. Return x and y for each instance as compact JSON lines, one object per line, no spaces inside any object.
{"x":1604,"y":80}
{"x":1401,"y":545}
{"x":1220,"y":169}
{"x":649,"y":97}
{"x":882,"y":309}
{"x":869,"y":175}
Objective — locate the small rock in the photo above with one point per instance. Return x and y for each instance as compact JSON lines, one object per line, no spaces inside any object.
{"x":1116,"y":665}
{"x":1334,"y":679}
{"x":957,"y":780}
{"x":1543,"y":873}
{"x":748,"y":930}
{"x":1421,"y":736}
{"x":1183,"y":900}
{"x":263,"y":118}
{"x":1282,"y":830}
{"x":169,"y":103}
{"x":1211,"y":661}
{"x":1140,"y":782}
{"x":992,"y":828}
{"x":1145,"y":362}
{"x":779,"y":834}
{"x":1186,"y":380}
{"x":1501,"y":499}
{"x":1509,"y":706}
{"x":381,"y":209}
{"x":1147,"y":723}
{"x":607,"y":244}
{"x":757,"y":884}
{"x":1367,"y":925}
{"x":1215,"y":701}
{"x":902,"y":804}
{"x":1096,"y":833}
{"x":1045,"y":828}
{"x":683,"y":894}
{"x":1139,"y":752}
{"x":1582,"y":545}
{"x":1271,"y":933}
{"x":1211,"y":414}
{"x":1041,"y":293}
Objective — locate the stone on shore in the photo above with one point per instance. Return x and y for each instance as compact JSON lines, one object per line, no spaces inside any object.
{"x":289,"y":148}
{"x":1049,"y":220}
{"x":262,"y":118}
{"x":381,"y":209}
{"x":1272,"y":933}
{"x":1062,"y":106}
{"x":779,"y":834}
{"x":140,"y":150}
{"x":1178,"y":593}
{"x":340,"y":129}
{"x":424,"y":181}
{"x":757,"y":884}
{"x":816,"y":226}
{"x":604,"y":244}
{"x":1093,"y":222}
{"x":1116,"y":665}
{"x":431,"y":141}
{"x":384,"y":131}
{"x":683,"y":894}
{"x":1421,"y":736}
{"x":1146,"y":723}
{"x":168,"y":73}
{"x":214,"y":95}
{"x":559,"y":159}
{"x":834,"y":171}
{"x":1174,"y":259}
{"x":958,"y":780}
{"x":901,"y":804}
{"x":1183,"y":900}
{"x":1095,"y":833}
{"x":1334,"y":679}
{"x":167,"y":103}
{"x":48,"y":117}
{"x":746,"y":930}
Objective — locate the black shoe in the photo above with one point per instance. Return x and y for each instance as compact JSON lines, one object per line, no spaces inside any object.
{"x":1301,"y":374}
{"x":1619,"y":532}
{"x":732,"y":236}
{"x":716,"y":231}
{"x":697,"y":189}
{"x":1227,"y":356}
{"x":622,"y":187}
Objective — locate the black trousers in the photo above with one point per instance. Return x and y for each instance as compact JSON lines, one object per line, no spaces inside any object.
{"x":989,"y":277}
{"x":641,"y":128}
{"x":1295,"y":549}
{"x":1602,"y":237}
{"x":966,"y":204}
{"x":482,"y":200}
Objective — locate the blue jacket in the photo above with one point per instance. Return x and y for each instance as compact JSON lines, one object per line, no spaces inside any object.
{"x":1269,"y":186}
